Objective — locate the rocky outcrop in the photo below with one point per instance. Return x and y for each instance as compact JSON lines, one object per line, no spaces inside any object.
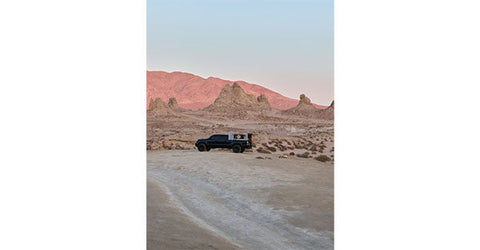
{"x":305,"y":108}
{"x":173,"y":104}
{"x":157,"y":107}
{"x":263,"y":101}
{"x":234,"y":100}
{"x":304,"y":100}
{"x":328,"y":113}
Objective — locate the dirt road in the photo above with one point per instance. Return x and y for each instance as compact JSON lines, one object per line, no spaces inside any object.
{"x":222,"y":200}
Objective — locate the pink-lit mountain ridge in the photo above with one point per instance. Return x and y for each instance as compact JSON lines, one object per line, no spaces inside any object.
{"x":194,"y":92}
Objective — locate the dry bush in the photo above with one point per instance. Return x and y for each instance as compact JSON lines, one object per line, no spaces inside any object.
{"x":298,"y":145}
{"x":292,"y":153}
{"x":263,"y":151}
{"x":280,"y":147}
{"x":322,"y":158}
{"x":273,"y":149}
{"x":304,"y":155}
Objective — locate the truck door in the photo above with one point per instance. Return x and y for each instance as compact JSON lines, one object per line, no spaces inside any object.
{"x":223,"y":141}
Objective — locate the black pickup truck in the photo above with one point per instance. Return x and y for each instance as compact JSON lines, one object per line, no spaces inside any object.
{"x":238,"y":142}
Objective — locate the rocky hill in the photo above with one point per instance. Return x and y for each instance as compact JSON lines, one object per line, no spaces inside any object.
{"x":234,"y":101}
{"x":195,"y":92}
{"x":305,"y":108}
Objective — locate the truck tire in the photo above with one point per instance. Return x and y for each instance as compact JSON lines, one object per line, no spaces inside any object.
{"x":237,"y":148}
{"x":243,"y":150}
{"x":202,"y":147}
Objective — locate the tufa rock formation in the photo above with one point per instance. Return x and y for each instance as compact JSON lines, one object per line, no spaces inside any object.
{"x":234,"y":100}
{"x":173,"y":104}
{"x":305,"y":108}
{"x":158,"y":107}
{"x":304,"y":100}
{"x":328,"y":113}
{"x":263,"y":102}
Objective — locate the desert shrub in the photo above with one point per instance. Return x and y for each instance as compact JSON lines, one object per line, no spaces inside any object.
{"x":273,"y":149}
{"x":298,"y":146}
{"x":292,"y":153}
{"x":304,"y":155}
{"x":322,"y":158}
{"x":281,"y":147}
{"x":263,"y":151}
{"x":314,"y":147}
{"x":259,"y":157}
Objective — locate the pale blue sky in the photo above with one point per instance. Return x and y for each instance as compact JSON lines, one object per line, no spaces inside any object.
{"x":284,"y":45}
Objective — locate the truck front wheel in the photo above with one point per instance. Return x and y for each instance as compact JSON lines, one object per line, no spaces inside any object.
{"x":237,"y":148}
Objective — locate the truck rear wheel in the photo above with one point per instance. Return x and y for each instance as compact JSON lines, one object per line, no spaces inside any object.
{"x":237,"y":148}
{"x":202,"y":147}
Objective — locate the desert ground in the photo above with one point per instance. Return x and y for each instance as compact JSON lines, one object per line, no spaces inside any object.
{"x":296,"y":137}
{"x":223,"y":200}
{"x":277,"y":195}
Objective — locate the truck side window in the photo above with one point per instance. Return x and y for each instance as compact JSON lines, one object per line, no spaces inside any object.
{"x":239,"y":136}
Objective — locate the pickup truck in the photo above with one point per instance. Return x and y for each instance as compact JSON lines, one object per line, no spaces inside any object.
{"x":238,"y":142}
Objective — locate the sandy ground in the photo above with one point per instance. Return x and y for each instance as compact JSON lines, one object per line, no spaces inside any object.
{"x":222,"y":200}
